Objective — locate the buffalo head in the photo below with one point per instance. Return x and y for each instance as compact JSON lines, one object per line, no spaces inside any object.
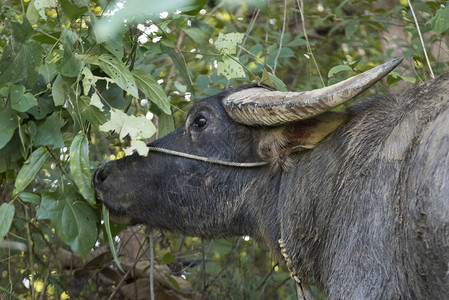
{"x":234,"y":142}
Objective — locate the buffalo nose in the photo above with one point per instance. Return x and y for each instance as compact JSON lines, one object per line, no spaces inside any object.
{"x":100,"y":175}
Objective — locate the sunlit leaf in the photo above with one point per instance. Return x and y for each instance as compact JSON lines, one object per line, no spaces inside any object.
{"x":227,"y":43}
{"x":41,"y":5}
{"x":139,"y":146}
{"x":30,"y":168}
{"x":230,"y":68}
{"x":79,"y":167}
{"x":6,"y":216}
{"x":132,"y":125}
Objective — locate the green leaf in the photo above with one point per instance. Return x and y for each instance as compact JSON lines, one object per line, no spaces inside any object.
{"x":107,"y":226}
{"x":230,"y":68}
{"x":166,"y":124}
{"x":394,"y":77}
{"x":8,"y":124}
{"x":297,"y":41}
{"x":4,"y":91}
{"x":47,"y":71}
{"x":30,"y":168}
{"x":91,"y":112}
{"x":153,"y":90}
{"x":227,"y":43}
{"x":88,"y":58}
{"x":260,"y":4}
{"x":440,"y":23}
{"x":6,"y":215}
{"x":173,"y":281}
{"x":181,"y":66}
{"x":30,"y":197}
{"x":280,"y":85}
{"x":21,"y":32}
{"x":68,"y":65}
{"x":351,"y":28}
{"x":199,"y":35}
{"x":20,"y":101}
{"x":337,"y":69}
{"x":202,"y":81}
{"x":119,"y":73}
{"x":79,"y":167}
{"x":49,"y":133}
{"x":73,"y":10}
{"x":167,"y":259}
{"x":20,"y":61}
{"x":74,"y":220}
{"x":61,"y":89}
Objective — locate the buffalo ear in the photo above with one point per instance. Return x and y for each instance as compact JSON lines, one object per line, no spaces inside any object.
{"x":276,"y":144}
{"x":308,"y":133}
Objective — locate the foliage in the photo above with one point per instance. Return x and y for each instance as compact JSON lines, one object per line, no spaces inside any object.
{"x":78,"y":87}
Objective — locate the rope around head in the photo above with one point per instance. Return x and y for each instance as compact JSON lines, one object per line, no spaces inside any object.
{"x":209,"y":160}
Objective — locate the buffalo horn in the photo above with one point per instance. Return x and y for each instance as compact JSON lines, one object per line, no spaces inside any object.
{"x":261,"y":106}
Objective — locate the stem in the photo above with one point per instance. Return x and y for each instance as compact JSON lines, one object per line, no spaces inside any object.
{"x":309,"y":49}
{"x":30,"y":249}
{"x":172,"y":68}
{"x":151,"y":267}
{"x":282,"y":36}
{"x":421,"y":39}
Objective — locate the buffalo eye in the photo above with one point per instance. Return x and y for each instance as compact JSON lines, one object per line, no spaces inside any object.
{"x":200,"y":121}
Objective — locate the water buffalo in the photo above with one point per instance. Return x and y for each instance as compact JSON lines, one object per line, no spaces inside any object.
{"x":359,"y":200}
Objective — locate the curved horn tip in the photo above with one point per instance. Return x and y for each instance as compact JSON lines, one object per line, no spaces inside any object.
{"x":395,"y":62}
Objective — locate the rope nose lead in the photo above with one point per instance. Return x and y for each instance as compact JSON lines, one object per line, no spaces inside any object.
{"x":209,"y":160}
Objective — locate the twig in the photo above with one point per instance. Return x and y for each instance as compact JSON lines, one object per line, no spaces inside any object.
{"x":119,"y":284}
{"x":282,"y":36}
{"x":250,"y":28}
{"x":309,"y":49}
{"x":248,"y":31}
{"x":151,"y":268}
{"x":30,"y":249}
{"x":173,"y":66}
{"x":257,"y":58}
{"x":265,"y":278}
{"x":228,"y":259}
{"x":421,"y":39}
{"x":47,"y":276}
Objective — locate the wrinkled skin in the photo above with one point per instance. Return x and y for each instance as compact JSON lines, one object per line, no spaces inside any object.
{"x":365,"y":213}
